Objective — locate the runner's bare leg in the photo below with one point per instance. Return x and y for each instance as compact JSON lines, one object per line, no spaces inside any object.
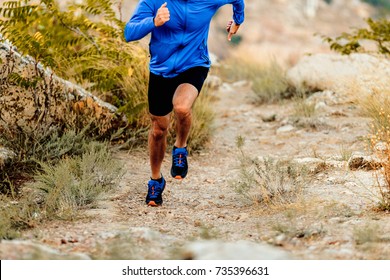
{"x":183,"y":99}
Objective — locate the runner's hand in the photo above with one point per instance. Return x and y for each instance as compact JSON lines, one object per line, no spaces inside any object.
{"x":162,"y":15}
{"x":232,"y":29}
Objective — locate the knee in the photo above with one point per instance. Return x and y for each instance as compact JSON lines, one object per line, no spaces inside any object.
{"x":159,"y":129}
{"x":182,"y":111}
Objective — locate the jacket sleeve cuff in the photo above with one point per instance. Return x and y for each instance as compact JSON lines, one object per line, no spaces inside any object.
{"x":238,"y":12}
{"x":238,"y":17}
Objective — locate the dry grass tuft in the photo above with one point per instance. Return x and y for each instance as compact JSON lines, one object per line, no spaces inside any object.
{"x":302,"y":107}
{"x":269,"y":81}
{"x":76,"y":183}
{"x":62,"y":187}
{"x":269,"y":182}
{"x":377,"y":108}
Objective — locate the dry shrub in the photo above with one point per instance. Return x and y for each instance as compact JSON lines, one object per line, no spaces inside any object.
{"x":377,"y":108}
{"x":78,"y":182}
{"x":268,"y":182}
{"x":382,"y":173}
{"x":74,"y":175}
{"x":303,"y":107}
{"x":17,"y":215}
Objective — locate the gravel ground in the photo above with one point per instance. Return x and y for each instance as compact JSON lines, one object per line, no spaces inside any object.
{"x":333,"y":218}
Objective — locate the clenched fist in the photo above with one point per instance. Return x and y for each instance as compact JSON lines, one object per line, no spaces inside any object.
{"x":162,"y":15}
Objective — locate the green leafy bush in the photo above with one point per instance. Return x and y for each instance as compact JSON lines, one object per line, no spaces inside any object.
{"x":378,"y":32}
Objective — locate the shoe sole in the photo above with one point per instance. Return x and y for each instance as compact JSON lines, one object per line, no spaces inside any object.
{"x":153,"y":204}
{"x":179,"y":177}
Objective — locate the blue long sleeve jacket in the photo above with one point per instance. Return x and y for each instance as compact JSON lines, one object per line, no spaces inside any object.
{"x":181,"y":43}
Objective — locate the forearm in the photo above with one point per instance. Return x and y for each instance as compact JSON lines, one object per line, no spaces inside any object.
{"x":141,"y":23}
{"x":137,"y":30}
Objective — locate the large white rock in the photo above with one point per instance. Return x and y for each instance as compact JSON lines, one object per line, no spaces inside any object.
{"x":353,"y":74}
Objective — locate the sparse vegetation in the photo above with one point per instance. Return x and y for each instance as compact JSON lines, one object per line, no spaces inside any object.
{"x":44,"y":144}
{"x":366,"y":234}
{"x":378,"y":32}
{"x":302,"y":107}
{"x":71,"y":172}
{"x":17,"y":215}
{"x":268,"y":182}
{"x":345,"y":153}
{"x":76,"y":183}
{"x":269,"y":82}
{"x":384,"y":185}
{"x":376,"y":107}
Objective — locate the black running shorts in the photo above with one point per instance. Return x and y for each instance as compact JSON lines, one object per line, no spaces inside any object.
{"x":161,"y":90}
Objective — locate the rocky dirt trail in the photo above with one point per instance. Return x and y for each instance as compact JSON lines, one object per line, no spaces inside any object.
{"x":203,"y":215}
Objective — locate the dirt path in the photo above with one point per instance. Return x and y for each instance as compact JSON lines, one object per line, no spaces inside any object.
{"x":332,"y":221}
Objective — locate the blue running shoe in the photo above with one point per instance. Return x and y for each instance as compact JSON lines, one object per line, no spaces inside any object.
{"x":155,"y":190}
{"x":179,"y":163}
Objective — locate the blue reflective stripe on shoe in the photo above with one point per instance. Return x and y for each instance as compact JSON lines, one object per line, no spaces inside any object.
{"x":155,"y":190}
{"x":179,"y":163}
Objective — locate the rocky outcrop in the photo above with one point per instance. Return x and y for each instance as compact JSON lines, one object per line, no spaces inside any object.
{"x":349,"y":75}
{"x":31,"y":94}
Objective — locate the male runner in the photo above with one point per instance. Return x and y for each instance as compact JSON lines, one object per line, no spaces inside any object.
{"x":179,"y":65}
